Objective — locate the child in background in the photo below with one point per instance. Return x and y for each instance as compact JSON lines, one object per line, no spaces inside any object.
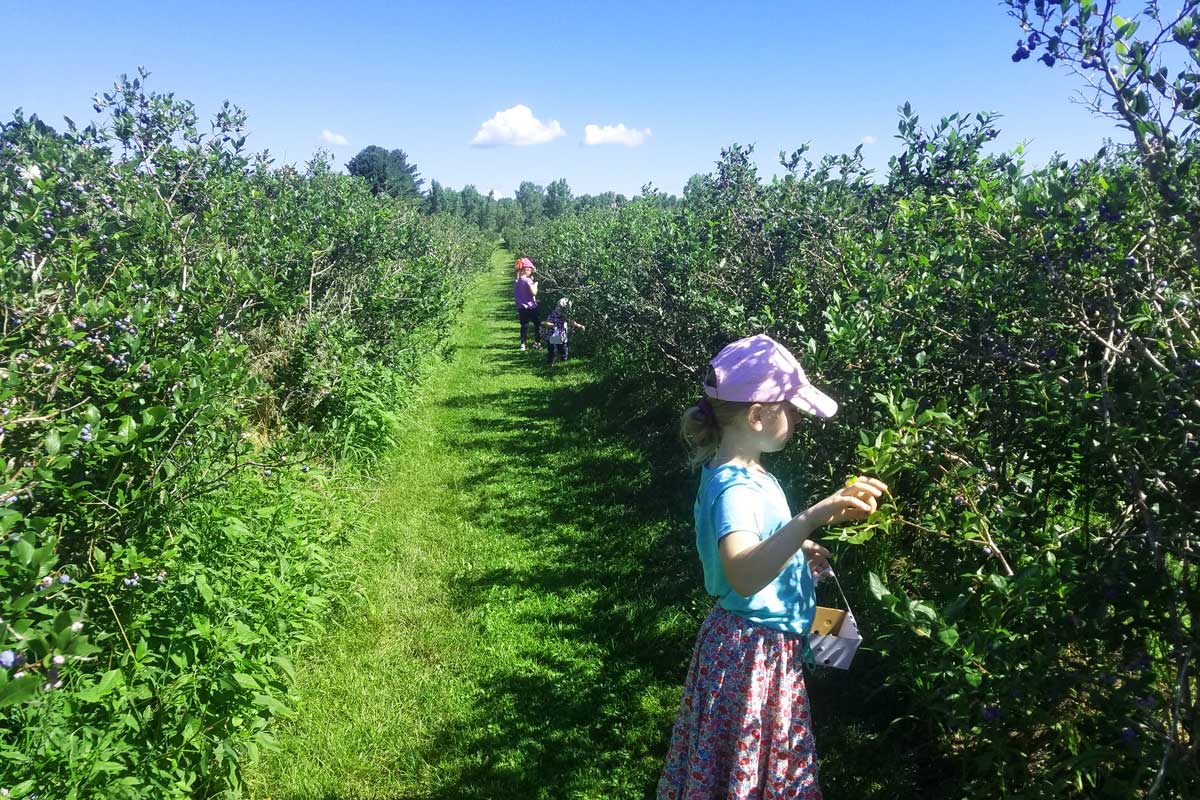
{"x":525,"y":291}
{"x":743,"y":728}
{"x":559,"y":323}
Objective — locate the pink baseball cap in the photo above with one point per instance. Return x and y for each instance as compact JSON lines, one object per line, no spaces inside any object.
{"x":759,"y":369}
{"x":524,"y":263}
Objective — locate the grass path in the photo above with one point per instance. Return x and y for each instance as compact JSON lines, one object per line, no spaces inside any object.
{"x":520,"y":634}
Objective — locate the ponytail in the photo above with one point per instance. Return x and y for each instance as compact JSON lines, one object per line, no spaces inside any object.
{"x":700,"y":427}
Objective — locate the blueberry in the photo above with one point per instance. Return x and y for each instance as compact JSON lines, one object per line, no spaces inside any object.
{"x":1047,"y":59}
{"x":991,"y":713}
{"x":7,"y":658}
{"x":64,"y":579}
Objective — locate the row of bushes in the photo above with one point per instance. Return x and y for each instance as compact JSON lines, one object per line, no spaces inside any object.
{"x":190,"y":340}
{"x":1016,"y":355}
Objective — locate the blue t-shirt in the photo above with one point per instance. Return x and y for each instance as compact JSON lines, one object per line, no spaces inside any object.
{"x":734,"y":498}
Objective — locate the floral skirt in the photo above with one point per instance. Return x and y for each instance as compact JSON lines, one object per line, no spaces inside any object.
{"x":743,"y":729}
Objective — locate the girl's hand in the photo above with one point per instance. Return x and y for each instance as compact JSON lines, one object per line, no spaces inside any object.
{"x":818,"y":557}
{"x":854,"y":503}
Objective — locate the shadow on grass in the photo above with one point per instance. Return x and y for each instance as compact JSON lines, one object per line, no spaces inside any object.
{"x":581,"y":710}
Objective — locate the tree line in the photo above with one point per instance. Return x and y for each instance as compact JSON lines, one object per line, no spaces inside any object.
{"x":390,"y":172}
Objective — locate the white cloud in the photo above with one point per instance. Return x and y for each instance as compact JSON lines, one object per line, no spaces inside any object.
{"x":516,"y":126}
{"x":870,"y":140}
{"x":329,"y":137}
{"x":614,"y":134}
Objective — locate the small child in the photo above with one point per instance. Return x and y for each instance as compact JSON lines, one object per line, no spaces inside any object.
{"x":559,"y":322}
{"x":743,"y":728}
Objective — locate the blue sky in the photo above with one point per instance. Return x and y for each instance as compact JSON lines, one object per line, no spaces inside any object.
{"x":426,"y":77}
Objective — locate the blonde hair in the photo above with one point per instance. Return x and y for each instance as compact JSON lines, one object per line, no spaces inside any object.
{"x":701,"y":425}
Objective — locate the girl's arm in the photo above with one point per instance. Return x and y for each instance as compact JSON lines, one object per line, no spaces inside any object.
{"x":750,"y":564}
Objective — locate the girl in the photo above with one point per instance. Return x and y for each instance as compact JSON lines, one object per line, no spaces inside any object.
{"x":525,"y":291}
{"x":559,"y":324}
{"x":743,"y":728}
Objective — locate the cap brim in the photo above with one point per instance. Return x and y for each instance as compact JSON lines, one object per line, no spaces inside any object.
{"x":812,"y":400}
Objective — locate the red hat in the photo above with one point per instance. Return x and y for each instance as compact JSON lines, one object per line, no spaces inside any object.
{"x":524,"y":263}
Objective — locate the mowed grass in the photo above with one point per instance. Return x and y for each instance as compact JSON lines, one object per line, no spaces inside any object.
{"x":528,"y":605}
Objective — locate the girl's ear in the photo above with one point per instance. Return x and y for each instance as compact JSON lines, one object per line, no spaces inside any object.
{"x":754,"y":416}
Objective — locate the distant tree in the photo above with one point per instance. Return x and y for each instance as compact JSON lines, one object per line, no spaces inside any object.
{"x":386,"y":171}
{"x":435,"y":201}
{"x":487,"y":212}
{"x":508,"y":215}
{"x":451,"y":202}
{"x":558,"y":199}
{"x":697,"y":187}
{"x":470,"y":202}
{"x":532,"y":200}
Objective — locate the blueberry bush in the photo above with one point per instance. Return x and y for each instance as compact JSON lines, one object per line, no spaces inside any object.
{"x":1016,"y":352}
{"x":191,"y":340}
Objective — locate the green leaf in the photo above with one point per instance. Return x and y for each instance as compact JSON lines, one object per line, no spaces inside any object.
{"x":109,"y":681}
{"x":924,"y":610}
{"x":205,"y":590}
{"x":127,"y":430}
{"x":878,"y":590}
{"x":272,"y":705}
{"x":949,"y":636}
{"x":23,"y":550}
{"x":247,"y":681}
{"x":53,"y":443}
{"x":18,"y":691}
